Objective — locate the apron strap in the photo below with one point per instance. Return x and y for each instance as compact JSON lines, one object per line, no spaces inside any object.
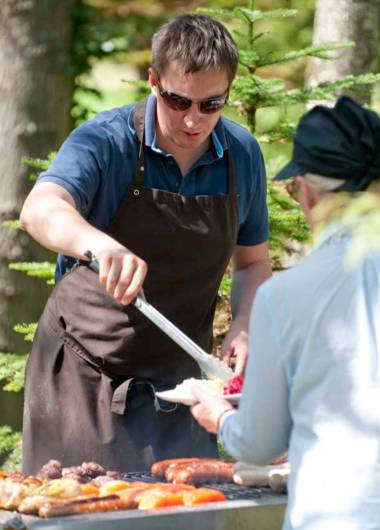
{"x":231,"y":173}
{"x":139,"y":124}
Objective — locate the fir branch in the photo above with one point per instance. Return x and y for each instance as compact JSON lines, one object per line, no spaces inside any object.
{"x":27,"y":329}
{"x":225,"y":286}
{"x":246,"y":14}
{"x":10,"y":445}
{"x":12,"y":223}
{"x":43,"y":270}
{"x":270,"y":92}
{"x":142,"y":86}
{"x":12,"y":370}
{"x":252,"y":59}
{"x":36,"y":163}
{"x":254,"y":15}
{"x":283,"y":132}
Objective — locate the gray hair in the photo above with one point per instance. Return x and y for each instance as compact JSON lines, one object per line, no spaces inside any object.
{"x":198,"y":43}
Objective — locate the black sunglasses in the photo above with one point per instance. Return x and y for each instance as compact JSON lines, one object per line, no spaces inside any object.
{"x":177,"y":102}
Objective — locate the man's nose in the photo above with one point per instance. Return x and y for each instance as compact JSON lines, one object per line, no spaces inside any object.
{"x":192,"y":115}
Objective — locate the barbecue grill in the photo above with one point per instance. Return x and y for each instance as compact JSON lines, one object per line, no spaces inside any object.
{"x":247,"y":508}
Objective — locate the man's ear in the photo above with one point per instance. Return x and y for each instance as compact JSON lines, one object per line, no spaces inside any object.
{"x":306,"y":197}
{"x":152,"y":79}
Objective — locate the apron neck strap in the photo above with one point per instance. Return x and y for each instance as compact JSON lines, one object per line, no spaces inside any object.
{"x":231,"y":173}
{"x":139,"y":124}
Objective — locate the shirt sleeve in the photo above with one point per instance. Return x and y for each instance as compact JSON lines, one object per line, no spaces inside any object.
{"x":79,"y":164}
{"x":255,"y":227}
{"x":260,"y":429}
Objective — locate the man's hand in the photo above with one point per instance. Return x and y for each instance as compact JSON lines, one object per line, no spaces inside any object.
{"x":209,"y":409}
{"x":122,"y":273}
{"x":235,"y":345}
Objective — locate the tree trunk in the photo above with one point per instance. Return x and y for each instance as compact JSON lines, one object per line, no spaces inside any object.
{"x":35,"y":100}
{"x":345,"y":21}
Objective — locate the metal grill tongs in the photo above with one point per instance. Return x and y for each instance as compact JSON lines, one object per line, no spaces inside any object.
{"x":213,"y":367}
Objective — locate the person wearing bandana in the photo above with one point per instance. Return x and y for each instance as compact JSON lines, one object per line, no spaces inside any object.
{"x":312,"y":384}
{"x":164,"y":193}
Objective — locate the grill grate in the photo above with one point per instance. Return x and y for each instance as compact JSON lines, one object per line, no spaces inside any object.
{"x":231,"y":491}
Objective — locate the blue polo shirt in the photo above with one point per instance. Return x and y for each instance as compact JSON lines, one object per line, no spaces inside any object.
{"x":98,"y":160}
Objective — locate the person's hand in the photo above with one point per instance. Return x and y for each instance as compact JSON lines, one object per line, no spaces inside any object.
{"x":122,"y":273}
{"x":209,"y":409}
{"x":235,"y":345}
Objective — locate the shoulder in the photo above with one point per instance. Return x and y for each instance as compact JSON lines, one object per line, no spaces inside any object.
{"x":110,"y":123}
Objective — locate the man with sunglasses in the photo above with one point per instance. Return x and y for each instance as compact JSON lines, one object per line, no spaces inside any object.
{"x":312,"y":382}
{"x":163,"y":193}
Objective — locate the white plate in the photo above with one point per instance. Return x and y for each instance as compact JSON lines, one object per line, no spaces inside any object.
{"x":180,"y":397}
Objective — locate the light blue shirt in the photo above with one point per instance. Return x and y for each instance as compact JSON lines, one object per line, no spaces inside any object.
{"x":313,"y":385}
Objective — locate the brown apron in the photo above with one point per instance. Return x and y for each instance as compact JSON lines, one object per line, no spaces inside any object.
{"x":95,"y":364}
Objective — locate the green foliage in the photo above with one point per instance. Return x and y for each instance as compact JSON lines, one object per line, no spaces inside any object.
{"x":27,"y":329}
{"x":101,"y":31}
{"x":12,"y":370}
{"x":39,"y":164}
{"x":252,"y":91}
{"x":43,"y":270}
{"x":10,"y":447}
{"x":225,"y":286}
{"x":12,"y":223}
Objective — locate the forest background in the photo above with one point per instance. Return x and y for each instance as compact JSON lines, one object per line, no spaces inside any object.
{"x":62,"y":61}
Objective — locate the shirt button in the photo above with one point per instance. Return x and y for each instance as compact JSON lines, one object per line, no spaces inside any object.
{"x":136,"y":193}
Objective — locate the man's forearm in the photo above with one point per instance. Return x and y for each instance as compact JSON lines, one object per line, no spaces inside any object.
{"x":59,"y":227}
{"x":244,"y":286}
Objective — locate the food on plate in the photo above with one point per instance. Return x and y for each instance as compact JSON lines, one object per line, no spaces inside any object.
{"x":233,"y":385}
{"x":211,"y":386}
{"x":214,"y":387}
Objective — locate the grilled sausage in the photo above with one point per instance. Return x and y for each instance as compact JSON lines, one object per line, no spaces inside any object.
{"x":203,"y":472}
{"x":32,"y":505}
{"x":88,"y":505}
{"x":174,"y":468}
{"x":158,"y":469}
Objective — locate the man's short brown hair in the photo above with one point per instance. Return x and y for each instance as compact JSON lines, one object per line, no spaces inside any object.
{"x":198,"y":43}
